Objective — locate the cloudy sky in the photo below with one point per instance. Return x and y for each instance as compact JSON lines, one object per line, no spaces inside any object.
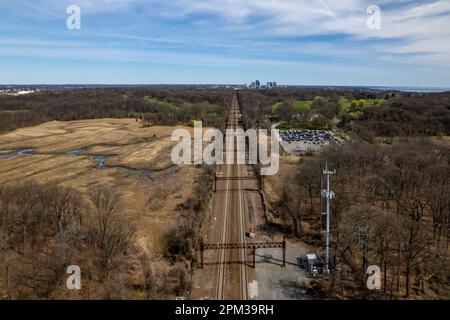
{"x":305,"y":42}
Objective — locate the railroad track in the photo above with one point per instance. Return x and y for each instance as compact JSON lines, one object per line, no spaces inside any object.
{"x":242,"y":251}
{"x":222,"y":253}
{"x":233,"y":199}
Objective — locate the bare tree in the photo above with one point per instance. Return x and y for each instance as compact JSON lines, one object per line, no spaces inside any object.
{"x":438,"y":196}
{"x":5,"y":215}
{"x":414,"y":245}
{"x":106,"y":202}
{"x":113,"y":235}
{"x":358,"y":228}
{"x":66,"y":207}
{"x":386,"y":229}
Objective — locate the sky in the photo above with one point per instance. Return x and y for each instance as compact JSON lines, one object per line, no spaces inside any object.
{"x":292,"y":42}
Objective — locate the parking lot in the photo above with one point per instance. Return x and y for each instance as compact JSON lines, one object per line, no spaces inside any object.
{"x":304,"y":141}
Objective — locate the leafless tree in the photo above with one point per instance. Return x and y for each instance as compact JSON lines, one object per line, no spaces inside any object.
{"x":438,"y":196}
{"x":112,"y":233}
{"x":358,"y":228}
{"x":106,"y":202}
{"x":66,"y":207}
{"x":386,"y":230}
{"x":414,"y":245}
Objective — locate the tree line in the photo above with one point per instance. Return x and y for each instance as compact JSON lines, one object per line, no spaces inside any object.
{"x":65,"y":105}
{"x":421,"y":115}
{"x":182,"y":238}
{"x":400,"y":114}
{"x":46,"y":228}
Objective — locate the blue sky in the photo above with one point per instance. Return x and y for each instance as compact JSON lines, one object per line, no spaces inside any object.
{"x":304,"y":42}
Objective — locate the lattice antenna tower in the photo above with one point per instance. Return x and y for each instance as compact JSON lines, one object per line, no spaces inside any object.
{"x":328,"y":195}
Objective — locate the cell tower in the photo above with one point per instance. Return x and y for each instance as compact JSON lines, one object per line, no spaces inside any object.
{"x":328,"y":195}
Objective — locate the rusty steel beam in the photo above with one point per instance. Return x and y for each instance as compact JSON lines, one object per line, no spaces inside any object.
{"x":248,"y":245}
{"x":236,"y":178}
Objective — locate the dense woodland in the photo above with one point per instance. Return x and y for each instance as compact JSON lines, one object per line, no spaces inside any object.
{"x":392,"y":209}
{"x":46,"y":228}
{"x":396,"y":115}
{"x":391,"y":114}
{"x":404,"y":116}
{"x":154,"y":106}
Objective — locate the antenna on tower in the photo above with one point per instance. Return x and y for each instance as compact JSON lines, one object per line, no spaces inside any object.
{"x":328,"y":195}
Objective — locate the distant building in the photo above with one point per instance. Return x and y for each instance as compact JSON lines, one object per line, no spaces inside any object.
{"x":257,"y":85}
{"x":21,"y":93}
{"x":15,"y":92}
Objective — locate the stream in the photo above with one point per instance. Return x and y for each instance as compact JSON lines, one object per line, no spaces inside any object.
{"x":99,"y":158}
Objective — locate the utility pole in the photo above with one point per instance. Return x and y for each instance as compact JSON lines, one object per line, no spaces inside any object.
{"x":328,"y":195}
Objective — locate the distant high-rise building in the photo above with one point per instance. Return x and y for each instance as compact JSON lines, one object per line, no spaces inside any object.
{"x":257,"y":85}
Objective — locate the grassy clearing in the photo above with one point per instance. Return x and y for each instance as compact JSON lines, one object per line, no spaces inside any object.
{"x":160,"y":103}
{"x":354,"y":105}
{"x":345,"y":103}
{"x":302,"y":105}
{"x":355,"y":108}
{"x":161,"y":111}
{"x":283,"y":126}
{"x":275,"y":107}
{"x":307,"y":105}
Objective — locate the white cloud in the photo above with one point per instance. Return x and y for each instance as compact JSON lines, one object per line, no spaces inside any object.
{"x":421,"y":29}
{"x":404,"y":18}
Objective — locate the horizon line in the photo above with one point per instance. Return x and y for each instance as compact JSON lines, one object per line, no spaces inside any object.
{"x":219,"y":84}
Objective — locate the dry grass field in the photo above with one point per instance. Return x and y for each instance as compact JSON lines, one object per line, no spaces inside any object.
{"x":137,"y":165}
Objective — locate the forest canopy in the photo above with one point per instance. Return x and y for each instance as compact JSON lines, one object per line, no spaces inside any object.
{"x":158,"y":105}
